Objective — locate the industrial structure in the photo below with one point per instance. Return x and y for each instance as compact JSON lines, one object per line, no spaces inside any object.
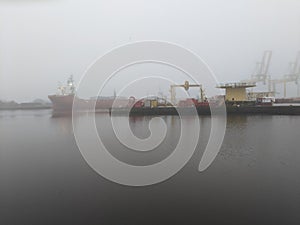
{"x":237,"y":102}
{"x":238,"y":98}
{"x":186,"y":86}
{"x":236,"y":92}
{"x":261,"y":75}
{"x":292,"y":76}
{"x":262,"y":68}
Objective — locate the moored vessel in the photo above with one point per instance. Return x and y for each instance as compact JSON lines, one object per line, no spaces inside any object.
{"x":64,"y":99}
{"x":235,"y":99}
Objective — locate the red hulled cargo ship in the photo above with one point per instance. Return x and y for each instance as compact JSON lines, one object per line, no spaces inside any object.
{"x":64,"y":99}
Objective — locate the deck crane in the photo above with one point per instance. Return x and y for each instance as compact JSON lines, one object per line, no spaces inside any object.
{"x":186,"y":86}
{"x":292,"y":76}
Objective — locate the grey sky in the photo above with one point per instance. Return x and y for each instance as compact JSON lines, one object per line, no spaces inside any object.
{"x":42,"y":42}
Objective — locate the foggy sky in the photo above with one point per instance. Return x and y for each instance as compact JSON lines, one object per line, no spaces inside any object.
{"x":43,"y":42}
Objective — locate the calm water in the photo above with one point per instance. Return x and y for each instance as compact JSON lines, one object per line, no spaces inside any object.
{"x":254,"y":179}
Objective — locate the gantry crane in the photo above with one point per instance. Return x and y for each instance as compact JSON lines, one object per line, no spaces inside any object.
{"x":261,"y":72}
{"x":292,"y":76}
{"x":261,"y":75}
{"x":186,"y":86}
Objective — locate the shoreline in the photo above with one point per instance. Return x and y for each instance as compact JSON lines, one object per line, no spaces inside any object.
{"x":25,"y":108}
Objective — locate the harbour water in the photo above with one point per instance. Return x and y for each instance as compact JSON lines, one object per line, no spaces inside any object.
{"x":45,"y":180}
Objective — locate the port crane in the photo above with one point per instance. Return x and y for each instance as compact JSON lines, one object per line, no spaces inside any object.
{"x":261,"y":75}
{"x":186,"y":86}
{"x":292,"y":76}
{"x":261,"y":71}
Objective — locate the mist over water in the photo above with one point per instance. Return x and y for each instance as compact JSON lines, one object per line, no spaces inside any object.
{"x":174,"y":50}
{"x":43,"y":42}
{"x":45,"y":180}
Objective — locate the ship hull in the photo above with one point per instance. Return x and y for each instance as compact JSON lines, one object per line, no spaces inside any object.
{"x":204,"y":110}
{"x":64,"y":104}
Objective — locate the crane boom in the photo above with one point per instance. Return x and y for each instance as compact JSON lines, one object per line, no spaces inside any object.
{"x":292,"y":76}
{"x":262,"y":68}
{"x":186,"y":86}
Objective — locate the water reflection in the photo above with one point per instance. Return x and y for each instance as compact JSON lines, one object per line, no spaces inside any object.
{"x":43,"y":175}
